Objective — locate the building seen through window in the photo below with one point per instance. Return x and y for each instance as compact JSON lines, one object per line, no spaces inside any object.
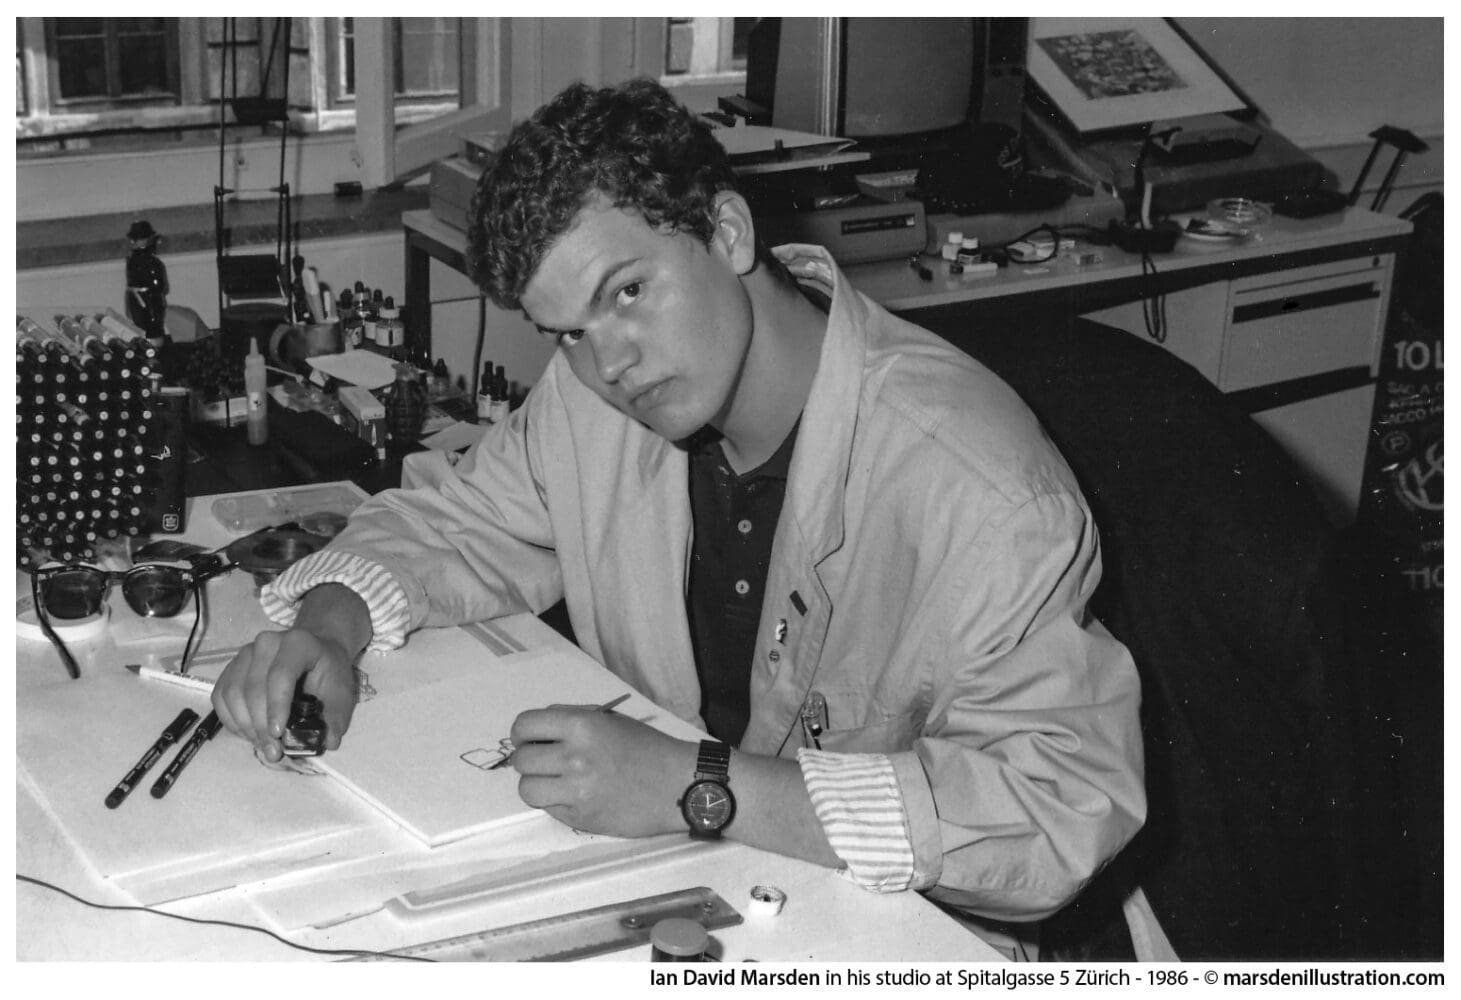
{"x":99,"y":85}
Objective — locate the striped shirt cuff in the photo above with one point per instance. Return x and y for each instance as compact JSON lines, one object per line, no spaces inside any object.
{"x":857,"y":799}
{"x":390,"y":614}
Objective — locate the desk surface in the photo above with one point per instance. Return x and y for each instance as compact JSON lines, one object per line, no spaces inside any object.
{"x":1282,"y":243}
{"x":826,"y":917}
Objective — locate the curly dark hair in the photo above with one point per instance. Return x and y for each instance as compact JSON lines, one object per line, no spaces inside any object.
{"x":633,"y":143}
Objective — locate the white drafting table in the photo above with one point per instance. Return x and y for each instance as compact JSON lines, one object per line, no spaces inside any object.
{"x":826,"y":918}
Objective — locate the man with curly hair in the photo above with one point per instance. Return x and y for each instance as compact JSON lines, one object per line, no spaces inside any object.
{"x":843,"y":547}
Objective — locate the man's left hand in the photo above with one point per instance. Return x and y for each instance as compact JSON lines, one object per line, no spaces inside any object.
{"x":601,"y":772}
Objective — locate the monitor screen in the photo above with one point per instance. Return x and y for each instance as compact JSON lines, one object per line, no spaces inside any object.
{"x":902,"y":76}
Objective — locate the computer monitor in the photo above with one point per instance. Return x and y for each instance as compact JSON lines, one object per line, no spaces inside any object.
{"x":887,"y":81}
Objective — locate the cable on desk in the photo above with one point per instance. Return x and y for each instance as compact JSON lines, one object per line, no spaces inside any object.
{"x":1153,"y":306}
{"x":216,"y":923}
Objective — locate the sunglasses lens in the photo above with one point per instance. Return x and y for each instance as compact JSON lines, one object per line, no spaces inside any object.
{"x":73,"y":593}
{"x":156,"y":591}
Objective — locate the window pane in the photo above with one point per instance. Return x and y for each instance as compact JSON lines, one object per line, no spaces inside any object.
{"x":81,"y":67}
{"x":679,"y":41}
{"x":140,"y":25}
{"x":143,"y":64}
{"x":741,"y":39}
{"x":347,"y":57}
{"x":428,"y":55}
{"x":79,"y":27}
{"x":244,"y":58}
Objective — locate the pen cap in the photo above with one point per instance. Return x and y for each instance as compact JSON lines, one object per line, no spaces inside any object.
{"x":180,"y":725}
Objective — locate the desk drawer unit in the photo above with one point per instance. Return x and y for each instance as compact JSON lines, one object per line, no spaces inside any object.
{"x":1304,"y":322}
{"x":1301,"y":353}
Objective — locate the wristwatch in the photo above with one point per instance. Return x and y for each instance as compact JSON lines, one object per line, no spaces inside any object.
{"x":708,"y":805}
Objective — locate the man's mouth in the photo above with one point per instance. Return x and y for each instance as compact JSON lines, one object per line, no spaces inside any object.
{"x":649,"y":396}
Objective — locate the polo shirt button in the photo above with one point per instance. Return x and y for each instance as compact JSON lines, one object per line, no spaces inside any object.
{"x":744,"y":527}
{"x":742,"y":587}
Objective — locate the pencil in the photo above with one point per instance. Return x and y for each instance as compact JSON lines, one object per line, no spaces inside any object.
{"x":607,"y":706}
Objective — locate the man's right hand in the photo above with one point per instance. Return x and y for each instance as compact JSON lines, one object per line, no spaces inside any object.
{"x":254,"y":692}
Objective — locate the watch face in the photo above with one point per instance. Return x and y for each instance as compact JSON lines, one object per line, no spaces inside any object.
{"x":708,"y":806}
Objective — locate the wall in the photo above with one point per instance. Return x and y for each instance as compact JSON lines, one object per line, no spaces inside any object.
{"x":1326,"y":83}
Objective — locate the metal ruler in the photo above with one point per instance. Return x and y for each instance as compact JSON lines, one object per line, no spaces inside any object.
{"x":576,"y":935}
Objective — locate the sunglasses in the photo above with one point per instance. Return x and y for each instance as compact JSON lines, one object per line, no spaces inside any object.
{"x":71,"y":591}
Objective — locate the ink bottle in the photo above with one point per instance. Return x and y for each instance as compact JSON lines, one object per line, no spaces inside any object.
{"x":304,"y":735}
{"x":351,"y":327}
{"x":390,"y":332}
{"x":968,"y":251}
{"x":952,"y":244}
{"x":501,"y":400}
{"x":484,"y":395}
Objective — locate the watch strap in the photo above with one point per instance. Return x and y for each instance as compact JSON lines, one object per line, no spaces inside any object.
{"x":713,"y":762}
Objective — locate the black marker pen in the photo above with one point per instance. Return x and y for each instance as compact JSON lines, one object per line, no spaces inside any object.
{"x":206,"y":730}
{"x":169,"y":736}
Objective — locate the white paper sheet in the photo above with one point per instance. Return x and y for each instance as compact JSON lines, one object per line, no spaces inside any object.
{"x":362,"y":368}
{"x":404,"y":751}
{"x":227,"y":821}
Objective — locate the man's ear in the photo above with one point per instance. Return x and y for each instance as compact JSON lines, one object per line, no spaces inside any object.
{"x":735,"y":232}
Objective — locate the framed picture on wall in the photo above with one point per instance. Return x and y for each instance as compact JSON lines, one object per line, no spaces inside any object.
{"x":1115,"y":72}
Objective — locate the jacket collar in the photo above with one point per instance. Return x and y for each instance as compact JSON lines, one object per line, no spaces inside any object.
{"x":819,"y":469}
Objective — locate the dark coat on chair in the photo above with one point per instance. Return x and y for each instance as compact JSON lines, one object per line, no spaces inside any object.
{"x":1219,"y":578}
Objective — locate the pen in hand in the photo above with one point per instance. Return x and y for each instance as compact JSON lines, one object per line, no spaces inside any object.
{"x":207,"y":729}
{"x":169,"y":736}
{"x":607,"y":706}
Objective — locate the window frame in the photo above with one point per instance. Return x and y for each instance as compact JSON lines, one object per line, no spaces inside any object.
{"x":192,"y":106}
{"x":697,"y":92}
{"x":110,"y":47}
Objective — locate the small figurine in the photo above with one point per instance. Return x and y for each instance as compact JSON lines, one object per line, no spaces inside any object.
{"x":146,"y":283}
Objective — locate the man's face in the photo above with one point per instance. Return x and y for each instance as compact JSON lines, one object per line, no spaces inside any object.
{"x":657,"y":324}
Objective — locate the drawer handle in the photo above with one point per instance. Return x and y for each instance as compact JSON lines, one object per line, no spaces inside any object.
{"x":1300,"y":303}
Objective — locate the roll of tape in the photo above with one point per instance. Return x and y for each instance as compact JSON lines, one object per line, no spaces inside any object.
{"x":766,"y":901}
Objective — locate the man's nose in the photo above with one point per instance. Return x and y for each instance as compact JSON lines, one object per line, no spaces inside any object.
{"x":615,"y":352}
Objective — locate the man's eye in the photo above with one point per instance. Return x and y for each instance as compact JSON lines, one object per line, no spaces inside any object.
{"x":569,"y":337}
{"x":630,"y":292}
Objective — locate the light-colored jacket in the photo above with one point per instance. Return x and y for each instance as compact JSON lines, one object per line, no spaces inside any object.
{"x":931,"y":567}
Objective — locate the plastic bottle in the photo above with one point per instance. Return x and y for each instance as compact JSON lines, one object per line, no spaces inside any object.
{"x":256,"y":388}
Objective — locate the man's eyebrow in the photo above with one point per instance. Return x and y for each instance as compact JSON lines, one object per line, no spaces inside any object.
{"x":608,"y":276}
{"x":594,"y":299}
